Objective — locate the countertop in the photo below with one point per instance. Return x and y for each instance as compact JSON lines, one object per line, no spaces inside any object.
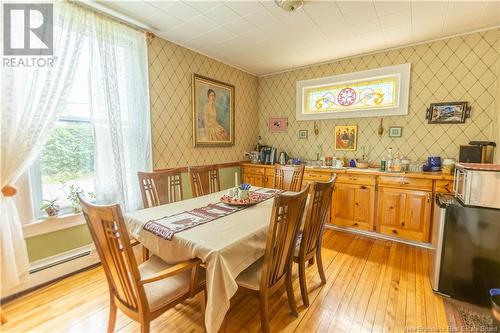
{"x":369,"y":171}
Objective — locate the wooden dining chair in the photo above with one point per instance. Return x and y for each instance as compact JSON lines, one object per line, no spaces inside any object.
{"x":312,"y":233}
{"x":288,"y":177}
{"x":160,"y":187}
{"x":204,"y":179}
{"x":266,"y":276}
{"x":143,"y":292}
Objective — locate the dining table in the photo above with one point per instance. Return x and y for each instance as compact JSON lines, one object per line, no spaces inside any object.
{"x":226,"y":245}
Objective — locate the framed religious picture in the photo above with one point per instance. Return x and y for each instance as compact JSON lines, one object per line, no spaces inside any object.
{"x":346,"y":137}
{"x":213,"y":112}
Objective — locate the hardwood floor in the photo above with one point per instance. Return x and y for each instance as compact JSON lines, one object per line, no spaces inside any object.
{"x":372,"y":286}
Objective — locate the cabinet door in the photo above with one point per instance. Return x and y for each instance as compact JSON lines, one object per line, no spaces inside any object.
{"x":343,"y":204}
{"x":391,"y":207}
{"x":418,"y":212}
{"x":404,"y":213}
{"x":353,"y":206}
{"x":364,"y":204}
{"x":254,"y":180}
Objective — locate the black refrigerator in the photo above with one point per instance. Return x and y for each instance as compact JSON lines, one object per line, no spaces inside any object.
{"x":465,"y":261}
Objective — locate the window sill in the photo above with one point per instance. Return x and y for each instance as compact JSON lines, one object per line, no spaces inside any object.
{"x":45,"y":226}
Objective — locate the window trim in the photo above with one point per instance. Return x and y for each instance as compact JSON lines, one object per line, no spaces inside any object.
{"x":404,"y":87}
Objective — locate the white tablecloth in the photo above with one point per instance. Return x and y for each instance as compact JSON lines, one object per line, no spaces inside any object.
{"x":227,"y":245}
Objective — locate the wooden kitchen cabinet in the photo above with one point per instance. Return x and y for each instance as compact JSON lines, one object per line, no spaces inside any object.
{"x":404,"y":213}
{"x":353,"y":206}
{"x":253,"y":179}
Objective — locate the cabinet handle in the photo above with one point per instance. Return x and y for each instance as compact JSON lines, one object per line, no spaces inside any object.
{"x":363,"y":187}
{"x":352,"y":178}
{"x":357,"y":204}
{"x":355,"y":224}
{"x":394,"y":231}
{"x":403,"y":224}
{"x":404,"y":182}
{"x":428,"y":197}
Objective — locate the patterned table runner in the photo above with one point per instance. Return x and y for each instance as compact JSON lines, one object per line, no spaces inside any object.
{"x":166,"y":227}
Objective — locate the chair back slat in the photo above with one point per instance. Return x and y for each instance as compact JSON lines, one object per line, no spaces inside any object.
{"x":204,"y":179}
{"x":320,"y":199}
{"x":112,"y":242}
{"x":160,"y":187}
{"x":285,"y":223}
{"x":288,"y":177}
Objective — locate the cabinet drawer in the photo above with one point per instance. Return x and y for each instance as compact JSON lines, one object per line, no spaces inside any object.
{"x":443,"y":186}
{"x":269,"y":172}
{"x":317,"y":176}
{"x":406,"y":182}
{"x":356,"y":179}
{"x":254,"y":170}
{"x":404,"y":233}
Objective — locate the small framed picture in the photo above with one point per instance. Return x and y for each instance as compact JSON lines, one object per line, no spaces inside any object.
{"x":448,"y":113}
{"x":278,"y":124}
{"x":302,"y":134}
{"x":395,"y":132}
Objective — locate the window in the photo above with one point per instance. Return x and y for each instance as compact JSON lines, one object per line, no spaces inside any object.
{"x":67,"y":160}
{"x":378,"y":92}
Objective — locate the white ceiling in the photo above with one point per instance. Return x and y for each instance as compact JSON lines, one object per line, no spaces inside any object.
{"x":261,"y":38}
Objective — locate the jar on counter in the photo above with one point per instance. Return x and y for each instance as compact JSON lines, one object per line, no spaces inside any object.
{"x":405,"y":164}
{"x":448,"y":166}
{"x":329,"y":160}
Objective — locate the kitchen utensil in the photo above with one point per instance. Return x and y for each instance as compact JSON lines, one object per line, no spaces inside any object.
{"x":339,"y":163}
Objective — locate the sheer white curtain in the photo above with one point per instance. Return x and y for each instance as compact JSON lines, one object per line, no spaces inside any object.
{"x":120,"y":110}
{"x":31,"y":100}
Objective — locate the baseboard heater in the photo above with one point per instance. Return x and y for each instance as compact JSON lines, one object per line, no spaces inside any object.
{"x":59,"y":262}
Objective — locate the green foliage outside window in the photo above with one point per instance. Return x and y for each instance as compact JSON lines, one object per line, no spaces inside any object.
{"x":69,"y":153}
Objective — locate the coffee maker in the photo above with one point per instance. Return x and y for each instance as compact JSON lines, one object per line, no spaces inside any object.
{"x":267,"y":155}
{"x":477,"y":152}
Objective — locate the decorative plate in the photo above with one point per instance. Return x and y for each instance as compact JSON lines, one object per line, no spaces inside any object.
{"x":253,"y":199}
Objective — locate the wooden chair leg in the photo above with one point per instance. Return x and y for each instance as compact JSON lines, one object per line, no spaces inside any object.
{"x":319,"y":262}
{"x":202,"y":297}
{"x":264,"y":314}
{"x":303,"y":282}
{"x":145,"y":254}
{"x":289,"y":293}
{"x":112,"y":314}
{"x":3,"y":319}
{"x":145,"y":326}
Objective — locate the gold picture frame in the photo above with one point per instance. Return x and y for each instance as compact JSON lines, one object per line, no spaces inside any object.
{"x":346,"y":137}
{"x":213,"y":112}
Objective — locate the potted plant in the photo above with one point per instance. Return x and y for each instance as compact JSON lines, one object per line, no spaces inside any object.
{"x":72,"y":191}
{"x":50,"y":207}
{"x":72,"y":196}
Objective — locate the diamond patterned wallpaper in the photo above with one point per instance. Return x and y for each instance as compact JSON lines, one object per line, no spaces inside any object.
{"x":170,"y":70}
{"x":455,"y":69}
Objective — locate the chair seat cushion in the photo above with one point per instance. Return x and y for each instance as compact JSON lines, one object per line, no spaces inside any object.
{"x":250,"y":277}
{"x":162,"y":292}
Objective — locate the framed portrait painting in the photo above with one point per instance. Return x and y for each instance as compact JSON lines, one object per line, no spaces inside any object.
{"x":213,"y":112}
{"x":346,"y":137}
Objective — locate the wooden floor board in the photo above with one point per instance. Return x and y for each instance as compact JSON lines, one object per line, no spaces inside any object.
{"x":372,"y":286}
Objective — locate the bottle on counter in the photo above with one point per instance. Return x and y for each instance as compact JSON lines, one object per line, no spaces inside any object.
{"x":396,"y":164}
{"x":389,"y":160}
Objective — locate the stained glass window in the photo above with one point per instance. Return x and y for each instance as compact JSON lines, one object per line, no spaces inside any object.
{"x":376,"y":93}
{"x":371,"y":93}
